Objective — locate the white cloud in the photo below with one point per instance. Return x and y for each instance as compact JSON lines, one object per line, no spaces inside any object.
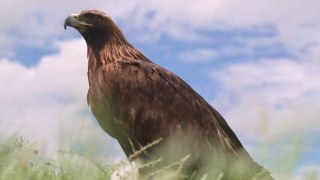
{"x":296,"y":21}
{"x":38,"y":22}
{"x":35,"y":22}
{"x":30,"y":95}
{"x":308,"y":172}
{"x":281,"y":92}
{"x":273,"y":106}
{"x":198,"y":55}
{"x":49,"y":101}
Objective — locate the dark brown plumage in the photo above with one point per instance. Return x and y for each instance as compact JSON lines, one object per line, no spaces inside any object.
{"x":136,"y":102}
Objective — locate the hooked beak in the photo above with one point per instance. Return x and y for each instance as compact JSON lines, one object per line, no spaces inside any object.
{"x":73,"y":21}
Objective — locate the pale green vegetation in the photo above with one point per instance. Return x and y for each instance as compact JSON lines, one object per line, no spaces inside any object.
{"x":19,"y":160}
{"x":22,"y":160}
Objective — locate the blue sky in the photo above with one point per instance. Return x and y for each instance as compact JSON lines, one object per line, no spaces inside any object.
{"x":256,"y":62}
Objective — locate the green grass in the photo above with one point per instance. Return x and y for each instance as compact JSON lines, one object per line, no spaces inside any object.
{"x":23,"y":160}
{"x":19,"y":159}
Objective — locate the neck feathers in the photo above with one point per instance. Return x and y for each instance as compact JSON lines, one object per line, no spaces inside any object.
{"x":112,"y":48}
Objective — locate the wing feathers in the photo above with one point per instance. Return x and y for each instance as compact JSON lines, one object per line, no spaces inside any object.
{"x":156,"y":102}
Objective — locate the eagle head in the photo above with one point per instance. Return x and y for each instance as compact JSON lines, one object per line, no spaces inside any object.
{"x":87,"y":20}
{"x":95,"y":26}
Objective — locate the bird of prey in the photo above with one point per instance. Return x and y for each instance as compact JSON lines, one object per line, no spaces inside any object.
{"x":137,"y":102}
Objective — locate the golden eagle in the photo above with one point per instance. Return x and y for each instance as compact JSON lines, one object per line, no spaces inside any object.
{"x":137,"y":102}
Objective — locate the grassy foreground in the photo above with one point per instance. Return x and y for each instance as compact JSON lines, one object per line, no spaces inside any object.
{"x":20,"y":160}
